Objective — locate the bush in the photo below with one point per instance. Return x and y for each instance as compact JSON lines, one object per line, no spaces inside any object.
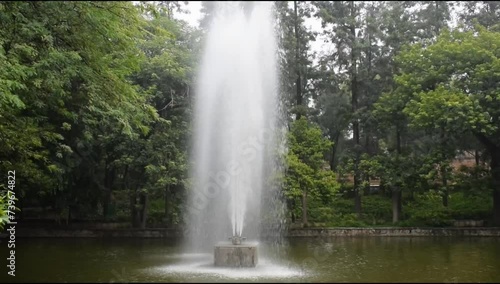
{"x":321,"y":214}
{"x":156,"y":214}
{"x":343,"y":206}
{"x":377,"y":208}
{"x":467,"y":206}
{"x":346,"y":220}
{"x":121,"y":202}
{"x":427,"y":210}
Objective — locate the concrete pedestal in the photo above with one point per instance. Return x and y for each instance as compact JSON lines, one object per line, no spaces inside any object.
{"x":228,"y":255}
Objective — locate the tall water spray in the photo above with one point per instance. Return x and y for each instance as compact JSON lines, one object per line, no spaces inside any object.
{"x":235,"y":126}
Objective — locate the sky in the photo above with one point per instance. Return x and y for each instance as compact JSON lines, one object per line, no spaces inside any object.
{"x":313,"y":24}
{"x":194,"y":16}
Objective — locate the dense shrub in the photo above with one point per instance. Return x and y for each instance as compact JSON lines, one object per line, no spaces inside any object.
{"x":121,"y":204}
{"x":156,"y":211}
{"x":346,"y":220}
{"x":427,"y":210}
{"x":321,"y":214}
{"x":377,"y":208}
{"x":470,"y":206}
{"x":343,"y":206}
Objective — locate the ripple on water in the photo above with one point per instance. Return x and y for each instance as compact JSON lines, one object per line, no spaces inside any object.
{"x":201,"y":266}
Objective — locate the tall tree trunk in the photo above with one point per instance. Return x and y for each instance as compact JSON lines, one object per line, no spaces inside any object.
{"x":445,"y":185}
{"x":334,"y":150}
{"x":304,"y":208}
{"x":144,"y":209}
{"x":132,"y":196}
{"x":476,"y":159}
{"x":438,"y":19}
{"x":292,"y":207}
{"x":167,"y":206}
{"x":396,"y":204}
{"x":354,"y":107}
{"x":109,"y":175}
{"x":495,"y":173}
{"x":444,"y":172}
{"x":106,"y":193}
{"x":396,"y":190}
{"x":134,"y":215}
{"x":494,"y":150}
{"x":298,"y":81}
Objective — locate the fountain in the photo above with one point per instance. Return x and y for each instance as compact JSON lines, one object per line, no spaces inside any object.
{"x":236,"y":253}
{"x":235,"y":135}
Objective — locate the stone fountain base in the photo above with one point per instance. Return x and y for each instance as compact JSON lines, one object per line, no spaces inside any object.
{"x":228,"y":255}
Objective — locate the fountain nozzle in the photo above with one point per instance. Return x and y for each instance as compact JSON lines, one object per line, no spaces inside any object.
{"x":236,"y":240}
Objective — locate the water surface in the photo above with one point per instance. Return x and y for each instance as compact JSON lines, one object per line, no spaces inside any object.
{"x":340,"y":259}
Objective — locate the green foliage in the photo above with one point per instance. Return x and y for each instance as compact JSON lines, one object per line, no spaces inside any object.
{"x":427,"y":210}
{"x":156,"y":211}
{"x":305,"y":161}
{"x":453,"y":81}
{"x":342,"y":205}
{"x":346,"y":220}
{"x":3,"y":211}
{"x":294,"y":48}
{"x":306,"y":172}
{"x":95,"y":107}
{"x":473,"y":180}
{"x":377,"y":209}
{"x":465,"y":206}
{"x":451,"y":86}
{"x":70,"y":63}
{"x":84,"y":81}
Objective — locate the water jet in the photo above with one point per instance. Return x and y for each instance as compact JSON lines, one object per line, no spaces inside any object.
{"x":234,"y":143}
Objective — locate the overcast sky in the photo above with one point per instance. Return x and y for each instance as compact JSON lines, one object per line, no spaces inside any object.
{"x":314,"y":24}
{"x":194,"y":16}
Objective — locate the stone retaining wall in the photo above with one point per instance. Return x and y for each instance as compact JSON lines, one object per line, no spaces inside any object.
{"x":302,"y":232}
{"x":394,"y":232}
{"x":98,"y":233}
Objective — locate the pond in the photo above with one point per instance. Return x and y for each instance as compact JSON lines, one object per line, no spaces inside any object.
{"x":340,"y":259}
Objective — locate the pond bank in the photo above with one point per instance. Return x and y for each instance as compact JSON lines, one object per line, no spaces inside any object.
{"x":396,"y":232}
{"x":299,"y":232}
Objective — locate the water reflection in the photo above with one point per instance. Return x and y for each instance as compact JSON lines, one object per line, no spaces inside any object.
{"x":341,"y":259}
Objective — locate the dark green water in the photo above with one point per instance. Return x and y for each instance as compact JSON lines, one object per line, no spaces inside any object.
{"x":342,"y":259}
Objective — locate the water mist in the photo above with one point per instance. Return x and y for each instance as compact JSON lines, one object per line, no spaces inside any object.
{"x":236,"y":135}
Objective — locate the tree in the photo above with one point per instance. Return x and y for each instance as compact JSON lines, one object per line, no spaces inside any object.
{"x":64,"y":73}
{"x":485,"y":13}
{"x":306,"y":174}
{"x":344,"y":19}
{"x":295,"y":62}
{"x":103,"y":97}
{"x":403,"y":23}
{"x":455,"y":85}
{"x":164,"y":79}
